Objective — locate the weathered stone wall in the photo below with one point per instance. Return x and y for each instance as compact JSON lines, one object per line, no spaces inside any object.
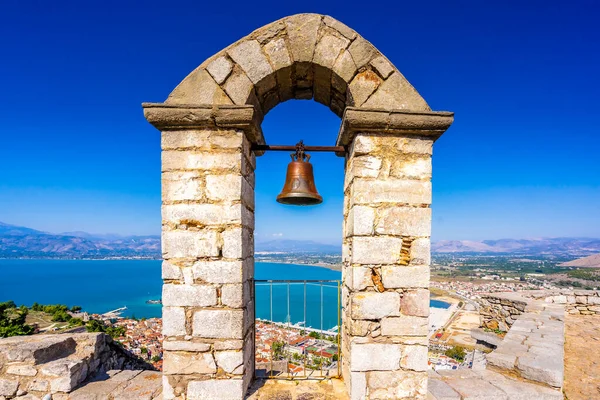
{"x":533,"y":348}
{"x":207,"y":244}
{"x":386,"y":254}
{"x":584,"y":302}
{"x":41,"y":364}
{"x":499,"y":311}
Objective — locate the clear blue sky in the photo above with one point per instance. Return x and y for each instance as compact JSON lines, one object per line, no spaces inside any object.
{"x":521,"y":160}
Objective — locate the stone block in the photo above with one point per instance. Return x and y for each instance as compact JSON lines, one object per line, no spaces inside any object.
{"x":442,"y":391}
{"x":224,"y":187}
{"x":177,"y":186}
{"x":21,"y":370}
{"x":358,"y":383}
{"x":361,"y":277}
{"x":376,"y":250}
{"x":8,"y":387}
{"x":171,"y":271}
{"x":232,"y":295}
{"x":502,"y":360}
{"x":228,"y":345}
{"x":396,"y":93}
{"x":420,"y":252}
{"x":375,"y":357}
{"x":222,"y":389}
{"x":397,"y":385}
{"x":544,"y":369}
{"x":340,"y":27}
{"x":249,"y":56}
{"x":399,"y":277}
{"x":218,"y":324}
{"x":185,"y":345}
{"x":373,"y":305}
{"x":328,"y":50}
{"x":219,"y":271}
{"x":220,"y":69}
{"x":278,"y":54}
{"x":203,"y":139}
{"x":302,"y":32}
{"x":414,"y":358}
{"x":415,"y":302}
{"x":173,"y":321}
{"x":363,"y":86}
{"x":189,"y":295}
{"x":237,"y":243}
{"x":362,"y":52}
{"x":411,"y":168}
{"x":365,"y":167}
{"x":173,"y":160}
{"x":360,"y":221}
{"x":239,"y":87}
{"x":397,"y":191}
{"x":383,"y":67}
{"x":198,"y":88}
{"x":189,"y":244}
{"x":345,"y":68}
{"x":176,"y":363}
{"x":38,"y":385}
{"x":403,"y":221}
{"x":232,"y":362}
{"x":202,"y":214}
{"x":404,"y":326}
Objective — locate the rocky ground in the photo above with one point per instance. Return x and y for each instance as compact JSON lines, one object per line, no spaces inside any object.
{"x":582,"y":365}
{"x":276,"y":389}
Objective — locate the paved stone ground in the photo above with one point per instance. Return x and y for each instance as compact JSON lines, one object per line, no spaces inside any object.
{"x":119,"y":385}
{"x":467,"y":384}
{"x":275,"y":389}
{"x":533,"y":347}
{"x":582,"y":365}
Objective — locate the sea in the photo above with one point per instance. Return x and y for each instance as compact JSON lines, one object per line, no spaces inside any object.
{"x":99,"y":286}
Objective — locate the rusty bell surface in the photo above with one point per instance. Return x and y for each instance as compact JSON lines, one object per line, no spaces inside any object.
{"x":299,"y":188}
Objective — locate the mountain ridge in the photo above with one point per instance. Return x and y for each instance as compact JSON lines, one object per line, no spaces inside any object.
{"x":19,"y":241}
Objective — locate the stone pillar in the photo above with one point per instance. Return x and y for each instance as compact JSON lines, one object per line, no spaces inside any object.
{"x":386,"y":251}
{"x":208,"y":249}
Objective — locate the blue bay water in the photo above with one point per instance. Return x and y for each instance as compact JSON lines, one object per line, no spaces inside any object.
{"x":103,"y":285}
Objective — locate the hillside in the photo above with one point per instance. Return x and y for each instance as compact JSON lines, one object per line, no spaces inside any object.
{"x":592,"y":261}
{"x":17,"y":241}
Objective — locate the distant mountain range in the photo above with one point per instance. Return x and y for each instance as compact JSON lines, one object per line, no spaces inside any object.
{"x":565,"y":246}
{"x":18,"y":241}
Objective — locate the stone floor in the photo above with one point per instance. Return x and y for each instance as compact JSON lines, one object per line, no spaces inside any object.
{"x":119,"y":385}
{"x":582,"y":362}
{"x":468,"y":384}
{"x":279,"y":389}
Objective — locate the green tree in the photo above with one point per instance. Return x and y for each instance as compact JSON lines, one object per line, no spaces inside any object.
{"x":277,"y":348}
{"x":155,"y":358}
{"x":75,"y":308}
{"x":12,"y":320}
{"x":457,"y":353}
{"x":314,"y":335}
{"x":144,"y":350}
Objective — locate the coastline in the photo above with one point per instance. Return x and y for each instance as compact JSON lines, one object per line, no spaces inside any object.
{"x":333,"y":267}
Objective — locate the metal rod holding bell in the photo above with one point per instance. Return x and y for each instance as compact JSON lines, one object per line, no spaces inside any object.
{"x":267,"y":147}
{"x":299,"y":188}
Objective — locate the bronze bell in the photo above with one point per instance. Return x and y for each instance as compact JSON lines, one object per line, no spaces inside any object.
{"x":299,"y":187}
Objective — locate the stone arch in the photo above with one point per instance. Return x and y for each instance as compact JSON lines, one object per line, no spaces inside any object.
{"x":209,"y":124}
{"x":302,"y":56}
